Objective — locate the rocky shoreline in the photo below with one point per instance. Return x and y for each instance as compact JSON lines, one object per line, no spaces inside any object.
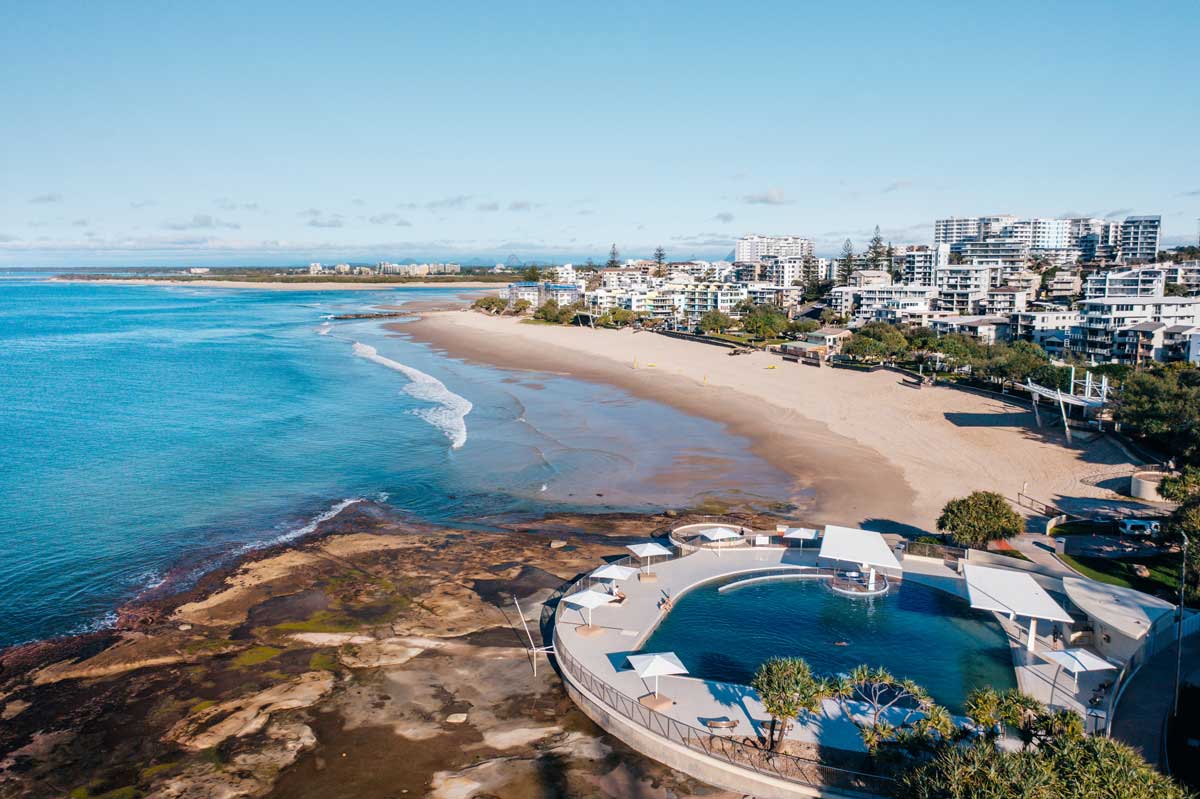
{"x":377,"y":657}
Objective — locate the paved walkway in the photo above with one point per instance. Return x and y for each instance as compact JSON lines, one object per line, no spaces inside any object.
{"x":1149,"y":697}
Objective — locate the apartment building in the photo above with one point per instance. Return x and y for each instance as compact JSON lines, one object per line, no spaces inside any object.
{"x":698,"y":299}
{"x":961,"y":288}
{"x":754,"y":247}
{"x":1100,"y":319}
{"x":1005,"y":301}
{"x":1143,"y":281}
{"x":1140,"y":238}
{"x":1050,"y":330}
{"x":917,"y":264}
{"x":956,"y":230}
{"x":865,"y":302}
{"x":987,"y":329}
{"x":1064,"y":285}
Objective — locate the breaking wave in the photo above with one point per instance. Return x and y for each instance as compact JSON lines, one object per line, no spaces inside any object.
{"x":451,"y":414}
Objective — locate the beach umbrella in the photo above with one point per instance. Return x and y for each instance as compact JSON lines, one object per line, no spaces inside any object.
{"x":614,"y":572}
{"x":649,"y":550}
{"x":657,"y":665}
{"x":801,"y":534}
{"x":717,"y":534}
{"x":587,"y":600}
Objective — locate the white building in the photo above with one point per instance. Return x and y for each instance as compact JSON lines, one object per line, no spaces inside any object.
{"x":987,"y":329}
{"x":917,"y":264}
{"x":1101,"y":318}
{"x":1005,"y":301}
{"x":956,"y":230}
{"x":1143,"y":281}
{"x":1050,"y":330}
{"x":753,"y":247}
{"x":962,"y":288}
{"x":700,"y":298}
{"x":1064,"y":285}
{"x":1139,"y":238}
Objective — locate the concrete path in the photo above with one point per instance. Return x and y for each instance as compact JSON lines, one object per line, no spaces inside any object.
{"x":1148,"y":700}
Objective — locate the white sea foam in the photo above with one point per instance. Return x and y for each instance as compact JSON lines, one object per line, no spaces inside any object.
{"x":451,"y":414}
{"x":305,"y":529}
{"x":324,"y":329}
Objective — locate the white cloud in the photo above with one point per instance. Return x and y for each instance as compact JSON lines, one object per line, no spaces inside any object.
{"x":389,"y":219}
{"x":202,"y":222}
{"x":768,"y":197}
{"x":50,"y":197}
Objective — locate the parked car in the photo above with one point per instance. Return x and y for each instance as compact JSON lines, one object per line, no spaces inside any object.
{"x":1139,"y":527}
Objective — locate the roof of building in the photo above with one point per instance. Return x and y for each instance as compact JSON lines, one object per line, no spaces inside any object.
{"x":1129,"y":612}
{"x":857,"y":546}
{"x":1013,"y":592}
{"x":1156,"y":299}
{"x":1146,"y":327}
{"x":1182,"y":328}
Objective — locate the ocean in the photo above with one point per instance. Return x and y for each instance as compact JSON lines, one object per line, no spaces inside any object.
{"x":146,"y":430}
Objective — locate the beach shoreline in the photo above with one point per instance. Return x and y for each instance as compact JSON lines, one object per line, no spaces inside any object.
{"x":281,"y":285}
{"x":874,"y":451}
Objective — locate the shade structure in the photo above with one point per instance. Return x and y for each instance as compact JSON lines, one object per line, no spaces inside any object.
{"x":588,"y":600}
{"x":1079,"y":661}
{"x":857,"y":546}
{"x":1013,"y":593}
{"x":649,"y":550}
{"x":657,"y":665}
{"x":720,"y":534}
{"x":801,"y":534}
{"x":613,"y":571}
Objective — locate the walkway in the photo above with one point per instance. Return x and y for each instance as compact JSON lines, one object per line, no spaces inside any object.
{"x":1147,"y":700}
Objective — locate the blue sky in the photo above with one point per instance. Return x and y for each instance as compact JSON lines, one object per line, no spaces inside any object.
{"x":268,"y":132}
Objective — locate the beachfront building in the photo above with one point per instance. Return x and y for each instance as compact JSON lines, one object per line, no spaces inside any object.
{"x":754,"y":247}
{"x":987,"y":329}
{"x":1101,"y":318}
{"x":1048,"y":329}
{"x":1143,"y":281}
{"x":1064,"y":285}
{"x":698,"y":299}
{"x":863,"y":303}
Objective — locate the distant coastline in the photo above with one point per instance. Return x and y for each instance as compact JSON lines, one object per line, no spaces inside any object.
{"x":283,"y":284}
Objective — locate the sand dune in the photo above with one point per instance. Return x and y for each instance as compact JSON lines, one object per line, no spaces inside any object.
{"x":868,"y":446}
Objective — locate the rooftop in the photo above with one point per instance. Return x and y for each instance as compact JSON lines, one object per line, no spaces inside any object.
{"x":1011,"y":592}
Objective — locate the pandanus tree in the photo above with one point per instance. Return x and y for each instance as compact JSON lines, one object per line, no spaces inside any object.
{"x":787,"y":687}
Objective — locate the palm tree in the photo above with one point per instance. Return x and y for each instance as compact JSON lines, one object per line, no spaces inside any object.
{"x":787,"y":687}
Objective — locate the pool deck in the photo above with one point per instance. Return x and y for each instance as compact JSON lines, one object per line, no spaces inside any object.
{"x":624,"y":628}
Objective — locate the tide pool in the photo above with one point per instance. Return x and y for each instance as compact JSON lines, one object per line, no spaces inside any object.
{"x":145,"y":429}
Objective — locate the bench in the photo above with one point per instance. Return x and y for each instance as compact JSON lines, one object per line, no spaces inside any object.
{"x":721,"y":724}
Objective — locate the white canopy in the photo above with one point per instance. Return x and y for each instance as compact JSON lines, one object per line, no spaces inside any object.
{"x":802,"y":533}
{"x":589,"y":599}
{"x":857,"y":546}
{"x":719,"y":534}
{"x":1011,"y":592}
{"x":1127,"y":611}
{"x":1078,"y":660}
{"x":648,"y":550}
{"x":613,"y":571}
{"x":659,"y":664}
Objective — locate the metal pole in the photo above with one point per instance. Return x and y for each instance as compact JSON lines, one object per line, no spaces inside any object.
{"x":1179,"y":633}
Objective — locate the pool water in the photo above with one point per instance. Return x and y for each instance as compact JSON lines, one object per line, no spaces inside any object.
{"x":915,"y":631}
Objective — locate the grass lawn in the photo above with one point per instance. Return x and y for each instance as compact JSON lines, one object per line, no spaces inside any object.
{"x":1084,"y":527}
{"x":1163,"y":580}
{"x":1009,"y":553}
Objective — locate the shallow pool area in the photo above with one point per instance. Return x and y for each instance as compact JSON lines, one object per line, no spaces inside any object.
{"x":915,"y":631}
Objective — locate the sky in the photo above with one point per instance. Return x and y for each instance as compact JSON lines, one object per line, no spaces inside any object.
{"x":280,"y":133}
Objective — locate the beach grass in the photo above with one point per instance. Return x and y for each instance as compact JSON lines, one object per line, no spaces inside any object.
{"x":323,"y":621}
{"x":323,"y":661}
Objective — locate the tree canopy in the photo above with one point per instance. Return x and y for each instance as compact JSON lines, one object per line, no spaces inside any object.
{"x":764,"y":321}
{"x":715,"y":322}
{"x":1162,"y":406}
{"x":787,"y":687}
{"x":979,"y":518}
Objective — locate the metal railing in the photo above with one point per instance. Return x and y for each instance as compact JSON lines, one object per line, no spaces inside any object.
{"x":740,"y":753}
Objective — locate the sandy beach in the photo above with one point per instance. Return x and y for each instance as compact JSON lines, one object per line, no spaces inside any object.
{"x":286,"y":285}
{"x":871,"y":448}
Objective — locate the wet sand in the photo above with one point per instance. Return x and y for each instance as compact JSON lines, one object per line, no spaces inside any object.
{"x":873,"y":450}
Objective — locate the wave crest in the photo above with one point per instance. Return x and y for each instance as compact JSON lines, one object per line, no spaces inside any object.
{"x":451,"y":414}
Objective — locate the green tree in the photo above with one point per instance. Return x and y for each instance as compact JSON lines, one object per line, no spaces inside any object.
{"x":532,"y":274}
{"x":1181,"y":487}
{"x":877,"y":253}
{"x":1163,"y":407}
{"x":832,"y":317}
{"x":520,"y":306}
{"x":978,"y":518}
{"x":865,"y":348}
{"x":614,"y":258}
{"x":1175,"y":290}
{"x":764,"y":321}
{"x":547,"y":311}
{"x":898,"y":711}
{"x":715,"y":322}
{"x":490,"y":304}
{"x":1016,"y":362}
{"x":799,"y":327}
{"x":660,"y":262}
{"x":845,"y":263}
{"x":787,"y":687}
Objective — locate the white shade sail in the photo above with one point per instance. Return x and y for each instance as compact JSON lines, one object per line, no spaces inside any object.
{"x":613,"y":571}
{"x":648,"y":550}
{"x":1011,"y":592}
{"x":857,"y":546}
{"x":658,"y":664}
{"x":720,"y":534}
{"x":802,"y":533}
{"x":1078,"y":661}
{"x":589,"y":599}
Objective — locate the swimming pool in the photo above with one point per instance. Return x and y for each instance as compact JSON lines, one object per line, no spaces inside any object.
{"x":915,"y":631}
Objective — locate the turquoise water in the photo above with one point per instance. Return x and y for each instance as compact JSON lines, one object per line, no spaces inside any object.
{"x":152,"y":431}
{"x":914,"y":631}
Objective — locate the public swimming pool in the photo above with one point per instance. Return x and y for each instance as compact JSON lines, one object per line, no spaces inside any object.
{"x":914,"y":631}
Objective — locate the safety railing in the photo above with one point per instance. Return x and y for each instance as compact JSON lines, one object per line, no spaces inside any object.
{"x":740,"y":753}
